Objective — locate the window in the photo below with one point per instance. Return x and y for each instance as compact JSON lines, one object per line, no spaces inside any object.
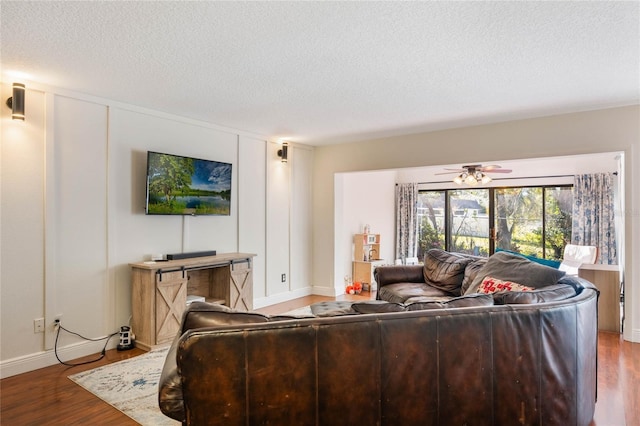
{"x":469,"y":223}
{"x":431,"y":214}
{"x":530,"y":220}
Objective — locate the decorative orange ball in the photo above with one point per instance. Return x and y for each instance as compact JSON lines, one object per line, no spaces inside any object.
{"x":357,"y":286}
{"x":350,"y":289}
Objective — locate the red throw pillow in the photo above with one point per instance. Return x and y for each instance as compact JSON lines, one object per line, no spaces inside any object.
{"x":493,"y":285}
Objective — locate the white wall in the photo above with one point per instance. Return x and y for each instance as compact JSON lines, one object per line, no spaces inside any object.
{"x":607,"y":130}
{"x":362,"y":198}
{"x":22,"y":227}
{"x":76,"y":229}
{"x":134,"y":236}
{"x":301,"y":253}
{"x":252,"y":196}
{"x":72,"y":216}
{"x":278,"y":231}
{"x":289,"y":225}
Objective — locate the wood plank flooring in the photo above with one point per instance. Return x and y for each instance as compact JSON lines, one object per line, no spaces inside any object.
{"x":48,"y":397}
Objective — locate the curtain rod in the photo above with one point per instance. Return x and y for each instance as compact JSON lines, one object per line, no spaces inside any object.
{"x":511,"y":178}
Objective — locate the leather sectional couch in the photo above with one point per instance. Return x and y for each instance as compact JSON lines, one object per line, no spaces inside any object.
{"x":446,"y":275}
{"x":519,"y":357}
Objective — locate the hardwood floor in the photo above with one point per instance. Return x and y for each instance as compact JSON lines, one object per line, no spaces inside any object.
{"x":48,"y":397}
{"x":618,"y":381}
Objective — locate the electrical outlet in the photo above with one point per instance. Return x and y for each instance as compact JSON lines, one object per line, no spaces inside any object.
{"x":283,"y":278}
{"x":57,"y":320}
{"x":38,"y":325}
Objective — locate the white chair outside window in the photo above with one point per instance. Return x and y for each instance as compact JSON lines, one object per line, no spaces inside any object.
{"x":575,"y":255}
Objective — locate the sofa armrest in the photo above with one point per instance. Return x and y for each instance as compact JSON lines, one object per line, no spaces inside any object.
{"x":197,"y":315}
{"x":386,"y":275}
{"x":203,"y":314}
{"x":578,"y":283}
{"x":170,"y":398}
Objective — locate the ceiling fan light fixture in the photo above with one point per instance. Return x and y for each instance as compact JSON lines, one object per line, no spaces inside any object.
{"x":471,"y":180}
{"x":474,"y":174}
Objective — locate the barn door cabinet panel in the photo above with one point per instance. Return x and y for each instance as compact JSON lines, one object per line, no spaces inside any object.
{"x":171,"y":297}
{"x":160,"y":292}
{"x":241,"y":288}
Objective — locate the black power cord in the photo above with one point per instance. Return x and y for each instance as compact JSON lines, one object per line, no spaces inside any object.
{"x":102,"y":353}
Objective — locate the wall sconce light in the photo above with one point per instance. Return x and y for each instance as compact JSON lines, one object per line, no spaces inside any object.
{"x":283,"y":153}
{"x":16,"y":102}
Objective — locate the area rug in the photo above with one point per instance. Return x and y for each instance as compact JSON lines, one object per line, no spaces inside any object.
{"x":131,"y":386}
{"x":300,"y":312}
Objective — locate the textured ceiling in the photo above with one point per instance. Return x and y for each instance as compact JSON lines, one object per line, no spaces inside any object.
{"x":331,"y":72}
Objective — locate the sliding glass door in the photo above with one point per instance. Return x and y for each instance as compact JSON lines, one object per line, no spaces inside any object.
{"x":557,"y":229}
{"x":530,"y":220}
{"x":454,"y":220}
{"x":533,"y":220}
{"x":431,"y":221}
{"x":469,"y":221}
{"x":518,"y":220}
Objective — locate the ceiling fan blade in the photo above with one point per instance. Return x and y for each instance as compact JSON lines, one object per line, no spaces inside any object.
{"x":489,"y":168}
{"x":450,"y":173}
{"x":494,"y":168}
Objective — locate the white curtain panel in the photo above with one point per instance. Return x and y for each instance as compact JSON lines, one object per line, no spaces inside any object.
{"x":406,"y":220}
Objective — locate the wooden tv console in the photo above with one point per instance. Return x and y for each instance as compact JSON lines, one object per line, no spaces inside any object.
{"x":159,"y":291}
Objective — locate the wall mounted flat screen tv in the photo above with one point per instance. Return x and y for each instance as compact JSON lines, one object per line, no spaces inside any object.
{"x":178,"y":185}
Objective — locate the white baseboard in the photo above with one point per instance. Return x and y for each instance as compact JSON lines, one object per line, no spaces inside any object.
{"x":281,"y":297}
{"x":290,"y":295}
{"x":38,"y":360}
{"x":633,"y":336}
{"x":326,"y":291}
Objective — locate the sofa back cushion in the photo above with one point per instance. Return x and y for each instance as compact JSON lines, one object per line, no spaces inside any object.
{"x":472,"y":300}
{"x":445,"y":270}
{"x":546,"y":262}
{"x":551,"y":293}
{"x":377,"y":308}
{"x":470,"y":273}
{"x":404,"y":292}
{"x":509,"y":267}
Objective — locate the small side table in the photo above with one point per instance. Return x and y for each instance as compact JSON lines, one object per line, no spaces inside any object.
{"x":607,"y":279}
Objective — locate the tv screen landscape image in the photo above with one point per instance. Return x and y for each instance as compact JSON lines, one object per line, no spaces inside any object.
{"x":178,"y":185}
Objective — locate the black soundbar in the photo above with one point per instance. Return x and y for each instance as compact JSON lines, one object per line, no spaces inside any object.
{"x":178,"y":256}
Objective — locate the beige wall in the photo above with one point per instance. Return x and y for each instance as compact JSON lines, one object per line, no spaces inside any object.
{"x":615,"y":129}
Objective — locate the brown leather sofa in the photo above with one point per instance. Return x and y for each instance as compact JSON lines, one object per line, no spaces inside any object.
{"x":466,"y":360}
{"x":446,"y":275}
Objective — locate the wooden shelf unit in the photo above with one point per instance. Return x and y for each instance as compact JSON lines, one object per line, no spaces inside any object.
{"x":159,"y":291}
{"x":366,"y":253}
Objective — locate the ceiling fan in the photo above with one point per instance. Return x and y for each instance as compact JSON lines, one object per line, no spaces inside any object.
{"x":474,"y":173}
